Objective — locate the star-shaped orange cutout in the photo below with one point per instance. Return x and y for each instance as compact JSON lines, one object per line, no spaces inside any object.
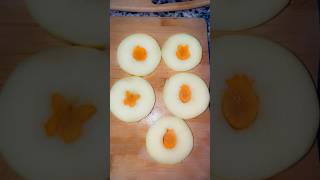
{"x":67,"y":118}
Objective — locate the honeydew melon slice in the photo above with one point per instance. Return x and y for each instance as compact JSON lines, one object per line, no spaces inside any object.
{"x":238,"y":15}
{"x":74,"y":72}
{"x":81,"y":22}
{"x":288,"y":116}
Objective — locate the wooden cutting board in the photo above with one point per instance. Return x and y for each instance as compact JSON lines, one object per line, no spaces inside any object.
{"x":148,"y":6}
{"x":129,"y":159}
{"x":297,"y":28}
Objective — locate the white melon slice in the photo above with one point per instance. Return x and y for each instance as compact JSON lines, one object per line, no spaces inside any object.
{"x":78,"y":21}
{"x":131,"y":99}
{"x":75,"y":72}
{"x":238,"y":15}
{"x":186,"y":95}
{"x":156,"y":140}
{"x":288,"y":116}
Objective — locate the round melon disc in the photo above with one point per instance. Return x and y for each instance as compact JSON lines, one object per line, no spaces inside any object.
{"x":75,"y":72}
{"x":78,"y":21}
{"x":171,"y":47}
{"x":288,"y":114}
{"x":127,"y":61}
{"x":199,"y":95}
{"x":155,"y":140}
{"x":143,"y":105}
{"x":237,"y":15}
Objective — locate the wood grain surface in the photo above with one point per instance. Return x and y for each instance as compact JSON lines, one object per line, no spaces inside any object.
{"x":148,"y":6}
{"x":129,"y":159}
{"x":296,"y":28}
